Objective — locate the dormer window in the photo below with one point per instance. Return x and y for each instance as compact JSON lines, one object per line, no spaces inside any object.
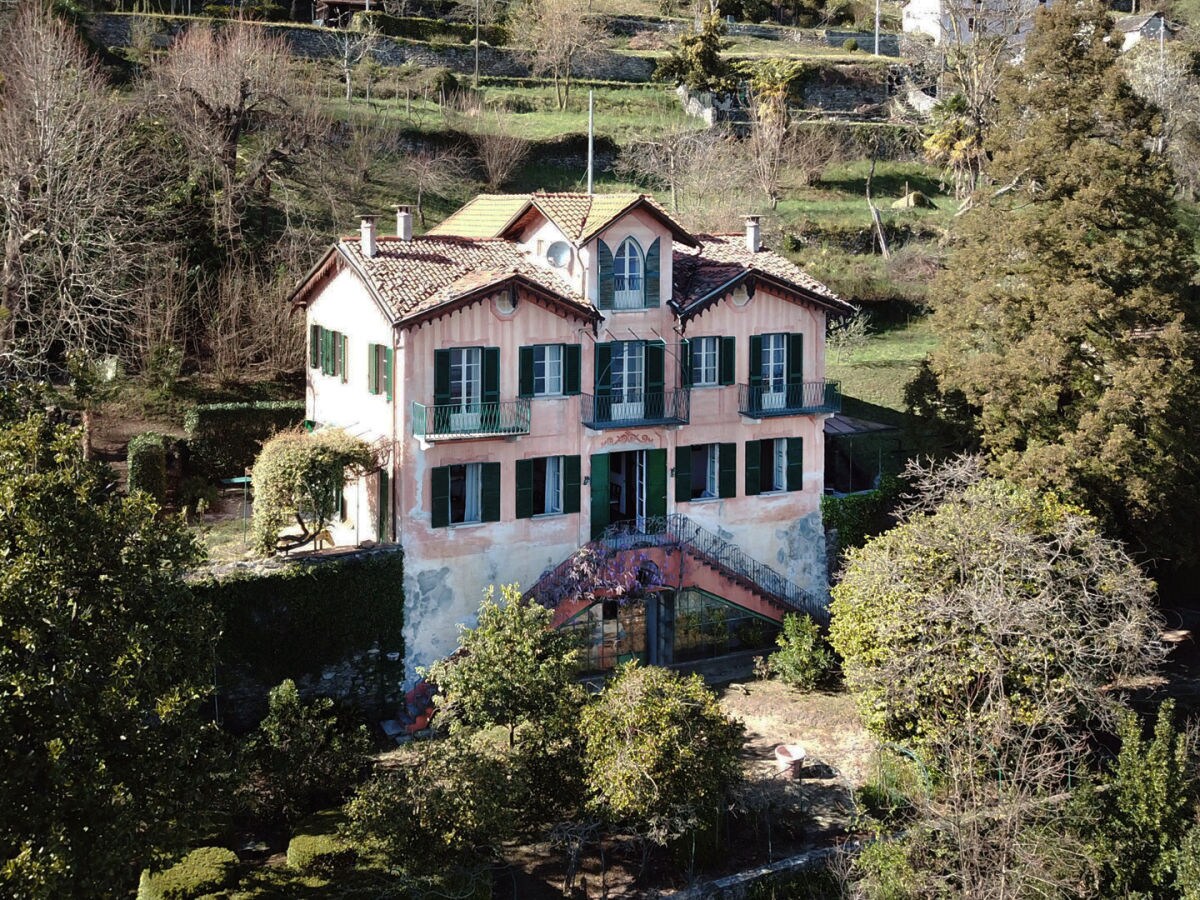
{"x":627,"y":276}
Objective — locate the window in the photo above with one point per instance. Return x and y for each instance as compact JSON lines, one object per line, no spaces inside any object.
{"x":548,"y":485}
{"x":547,"y":370}
{"x":705,"y":471}
{"x":628,"y":370}
{"x":465,"y":493}
{"x":379,"y":369}
{"x":774,"y":363}
{"x":327,"y":351}
{"x":774,"y":466}
{"x":627,"y":276}
{"x":706,"y":353}
{"x":466,"y":377}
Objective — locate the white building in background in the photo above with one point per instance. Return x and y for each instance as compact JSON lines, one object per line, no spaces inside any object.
{"x":950,"y":22}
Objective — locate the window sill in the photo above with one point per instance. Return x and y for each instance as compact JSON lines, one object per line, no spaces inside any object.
{"x":473,"y":524}
{"x":550,"y":515}
{"x":705,"y":499}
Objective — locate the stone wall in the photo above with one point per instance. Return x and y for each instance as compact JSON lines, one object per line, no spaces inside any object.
{"x":309,"y":42}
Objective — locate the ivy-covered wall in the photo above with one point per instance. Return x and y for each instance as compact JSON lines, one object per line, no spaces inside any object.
{"x":334,"y":625}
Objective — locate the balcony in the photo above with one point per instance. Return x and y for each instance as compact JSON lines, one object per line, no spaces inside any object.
{"x":479,"y":420}
{"x":810,"y":397}
{"x":658,"y":408}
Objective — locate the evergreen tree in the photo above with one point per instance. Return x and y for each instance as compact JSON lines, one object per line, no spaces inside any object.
{"x":697,"y":62}
{"x":1067,"y":311}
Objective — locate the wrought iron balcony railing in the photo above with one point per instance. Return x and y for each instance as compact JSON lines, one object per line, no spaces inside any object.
{"x":761,"y":401}
{"x":458,"y":421}
{"x":671,"y":407}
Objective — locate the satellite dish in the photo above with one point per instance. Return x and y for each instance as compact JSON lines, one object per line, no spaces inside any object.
{"x":559,"y":254}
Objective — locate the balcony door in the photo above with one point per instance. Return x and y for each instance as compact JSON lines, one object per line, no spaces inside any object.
{"x":466,"y":389}
{"x":628,"y":380}
{"x":630,"y":487}
{"x":774,"y":371}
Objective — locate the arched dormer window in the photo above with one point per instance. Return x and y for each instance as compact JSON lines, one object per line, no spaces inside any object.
{"x":628,"y":272}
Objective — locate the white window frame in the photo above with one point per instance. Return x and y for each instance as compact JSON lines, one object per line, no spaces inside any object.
{"x":711,"y":456}
{"x":627,"y":378}
{"x":553,"y":486}
{"x":779,"y":456}
{"x":471,"y":475}
{"x":774,"y":370}
{"x":466,"y":389}
{"x":629,"y":272}
{"x":705,"y":361}
{"x":549,"y":357}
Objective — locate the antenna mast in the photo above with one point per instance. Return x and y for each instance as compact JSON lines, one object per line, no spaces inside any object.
{"x":591,"y":139}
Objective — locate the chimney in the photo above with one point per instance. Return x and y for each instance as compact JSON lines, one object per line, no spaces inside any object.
{"x":367,"y":227}
{"x":404,"y":223}
{"x":753,"y":234}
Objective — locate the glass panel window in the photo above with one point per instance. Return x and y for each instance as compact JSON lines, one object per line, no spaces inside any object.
{"x":466,"y":487}
{"x":774,"y":363}
{"x":628,"y":371}
{"x":547,"y":370}
{"x":466,"y":376}
{"x":627,"y":276}
{"x":379,"y":352}
{"x":704,"y":361}
{"x":547,"y":485}
{"x":772,"y":465}
{"x":705,"y":471}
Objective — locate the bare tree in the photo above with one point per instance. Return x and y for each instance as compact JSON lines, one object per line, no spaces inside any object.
{"x":66,"y":173}
{"x":500,"y":152}
{"x":434,"y":172}
{"x":1165,"y":74}
{"x":353,"y":47}
{"x":560,"y":35}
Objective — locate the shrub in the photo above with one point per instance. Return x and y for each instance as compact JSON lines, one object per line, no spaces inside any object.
{"x":803,"y":660}
{"x":859,"y":517}
{"x":300,"y":759}
{"x":225,"y":438}
{"x":148,"y":465}
{"x":197,"y":494}
{"x":884,"y":872}
{"x":1187,"y":877}
{"x":850,"y":45}
{"x":203,"y":871}
{"x":322,"y":854}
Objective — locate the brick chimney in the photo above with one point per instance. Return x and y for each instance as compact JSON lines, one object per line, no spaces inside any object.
{"x":753,"y":234}
{"x":367,"y":230}
{"x":404,"y":223}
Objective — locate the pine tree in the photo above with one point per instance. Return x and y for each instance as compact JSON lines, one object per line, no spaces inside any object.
{"x":1067,"y":310}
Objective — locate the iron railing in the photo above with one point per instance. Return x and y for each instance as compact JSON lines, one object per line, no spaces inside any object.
{"x":679,"y":531}
{"x":474,"y":420}
{"x":671,"y":407}
{"x":790,"y":400}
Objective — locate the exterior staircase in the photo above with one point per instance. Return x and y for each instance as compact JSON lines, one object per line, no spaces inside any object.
{"x":773,"y":595}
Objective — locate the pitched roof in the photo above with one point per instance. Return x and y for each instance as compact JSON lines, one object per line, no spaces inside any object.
{"x":416,"y":277}
{"x":485,"y":216}
{"x":578,"y":216}
{"x":703,"y":274}
{"x":1127,"y":24}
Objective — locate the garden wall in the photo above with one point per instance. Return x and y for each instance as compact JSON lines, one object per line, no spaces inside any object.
{"x":332,"y":623}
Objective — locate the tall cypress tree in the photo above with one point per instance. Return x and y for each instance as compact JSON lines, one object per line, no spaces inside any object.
{"x":1067,"y":308}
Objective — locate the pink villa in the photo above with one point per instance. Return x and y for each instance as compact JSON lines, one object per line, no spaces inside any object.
{"x":545,"y":372}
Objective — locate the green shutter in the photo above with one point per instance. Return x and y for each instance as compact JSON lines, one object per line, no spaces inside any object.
{"x":491,"y":375}
{"x":314,"y":345}
{"x":795,"y":464}
{"x":726,"y":357}
{"x":571,"y":480}
{"x":655,"y":365}
{"x":685,"y":363}
{"x":373,"y":368}
{"x":345,"y":353}
{"x":525,"y":372}
{"x":651,"y":292}
{"x":572,"y":369}
{"x":795,"y":359}
{"x":604,"y":268}
{"x":383,"y":526}
{"x":683,"y":474}
{"x":490,"y":490}
{"x":440,"y":513}
{"x":600,"y":497}
{"x":326,"y":352}
{"x":524,"y":488}
{"x":756,"y":361}
{"x":388,"y":360}
{"x":656,"y":483}
{"x":603,"y":370}
{"x":441,"y":377}
{"x":727,"y":474}
{"x":753,"y":480}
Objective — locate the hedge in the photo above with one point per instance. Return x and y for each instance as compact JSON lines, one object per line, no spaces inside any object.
{"x":147,"y":455}
{"x":418,"y":29}
{"x":203,"y":871}
{"x":859,"y":517}
{"x":323,"y":854}
{"x":224,"y":438}
{"x":297,"y":620}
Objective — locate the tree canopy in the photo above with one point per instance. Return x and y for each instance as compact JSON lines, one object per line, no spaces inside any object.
{"x":1067,"y":312}
{"x":104,"y":657}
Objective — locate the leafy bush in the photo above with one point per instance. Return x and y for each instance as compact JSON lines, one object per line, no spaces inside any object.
{"x":850,"y":45}
{"x":803,"y":660}
{"x":322,"y":854}
{"x":147,"y":455}
{"x":1187,"y":877}
{"x":859,"y":517}
{"x":419,"y":29}
{"x":883,"y":871}
{"x":196,"y":492}
{"x":225,"y":438}
{"x":300,"y":759}
{"x":658,"y":750}
{"x":300,"y":475}
{"x":203,"y":871}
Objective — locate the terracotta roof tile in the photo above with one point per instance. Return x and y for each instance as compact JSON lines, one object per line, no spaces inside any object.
{"x":721,"y":258}
{"x":427,"y":272}
{"x":483,"y":217}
